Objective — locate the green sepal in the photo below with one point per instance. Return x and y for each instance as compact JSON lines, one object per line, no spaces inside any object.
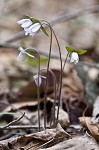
{"x":34,"y":20}
{"x":80,"y":51}
{"x":44,"y":31}
{"x":70,"y":49}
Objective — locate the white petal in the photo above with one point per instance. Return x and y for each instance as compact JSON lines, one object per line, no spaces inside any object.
{"x":22,"y":21}
{"x":26,"y":28}
{"x":38,"y":83}
{"x":75,"y":62}
{"x":26,"y":24}
{"x":21,"y":49}
{"x":36,"y":27}
{"x":29,"y":29}
{"x":21,"y":56}
{"x":74,"y":58}
{"x":71,"y":60}
{"x":32,"y":34}
{"x":26,"y":33}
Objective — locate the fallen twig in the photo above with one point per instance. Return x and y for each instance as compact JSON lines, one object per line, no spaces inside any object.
{"x":11,"y":123}
{"x":19,"y":127}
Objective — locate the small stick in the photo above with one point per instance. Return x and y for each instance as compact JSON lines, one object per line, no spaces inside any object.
{"x":19,"y":127}
{"x":13,"y":122}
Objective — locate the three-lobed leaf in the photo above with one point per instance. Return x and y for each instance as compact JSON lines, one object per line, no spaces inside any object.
{"x":70,"y":49}
{"x":79,"y":51}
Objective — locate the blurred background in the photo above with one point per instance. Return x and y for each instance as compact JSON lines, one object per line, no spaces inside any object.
{"x":71,"y":28}
{"x":80,"y":32}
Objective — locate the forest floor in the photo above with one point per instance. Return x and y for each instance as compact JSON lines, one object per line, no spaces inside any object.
{"x":76,"y":25}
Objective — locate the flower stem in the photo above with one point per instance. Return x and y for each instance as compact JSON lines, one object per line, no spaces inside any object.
{"x":38,"y":88}
{"x":45,"y":97}
{"x":38,"y":94}
{"x":65,"y":61}
{"x":54,"y":81}
{"x":60,"y":80}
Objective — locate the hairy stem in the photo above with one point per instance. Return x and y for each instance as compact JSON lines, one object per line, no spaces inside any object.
{"x":38,"y":87}
{"x":55,"y":96}
{"x":65,"y":61}
{"x":60,"y":80}
{"x":38,"y":95}
{"x":45,"y":96}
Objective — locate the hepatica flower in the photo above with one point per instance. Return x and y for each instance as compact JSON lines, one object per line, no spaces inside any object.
{"x":74,"y":54}
{"x":29,"y":27}
{"x":74,"y":58}
{"x":38,"y":79}
{"x":22,"y":54}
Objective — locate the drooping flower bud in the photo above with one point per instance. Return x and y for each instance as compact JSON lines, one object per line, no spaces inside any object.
{"x":74,"y":58}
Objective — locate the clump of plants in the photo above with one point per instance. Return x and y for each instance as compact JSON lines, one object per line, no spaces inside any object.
{"x":31,"y":26}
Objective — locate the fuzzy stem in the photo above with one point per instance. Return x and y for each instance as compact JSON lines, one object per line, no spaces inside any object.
{"x":65,"y":61}
{"x":38,"y":88}
{"x":55,"y":81}
{"x":38,"y":94}
{"x":60,"y":80}
{"x":45,"y":96}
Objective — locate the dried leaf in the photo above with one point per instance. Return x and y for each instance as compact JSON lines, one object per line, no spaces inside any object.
{"x":35,"y":139}
{"x":94,"y":129}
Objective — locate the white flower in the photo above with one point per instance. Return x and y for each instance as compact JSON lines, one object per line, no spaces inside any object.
{"x":38,"y":79}
{"x":25,"y":22}
{"x":22,"y":54}
{"x":32,"y":29}
{"x":22,"y":21}
{"x":74,"y":58}
{"x":35,"y":27}
{"x":29,"y":27}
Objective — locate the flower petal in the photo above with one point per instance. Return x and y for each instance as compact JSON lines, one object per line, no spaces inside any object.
{"x":36,"y":27}
{"x":74,"y":58}
{"x":32,"y":34}
{"x":26,"y":33}
{"x":26,"y":24}
{"x":21,"y":56}
{"x":21,"y":49}
{"x":22,"y":21}
{"x":37,"y":82}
